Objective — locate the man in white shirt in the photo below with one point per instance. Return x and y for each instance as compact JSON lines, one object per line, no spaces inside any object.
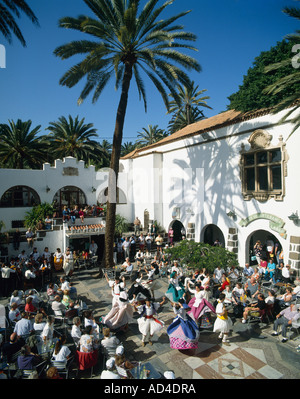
{"x":218,"y":272}
{"x":285,"y":273}
{"x":126,"y":248}
{"x":148,"y":241}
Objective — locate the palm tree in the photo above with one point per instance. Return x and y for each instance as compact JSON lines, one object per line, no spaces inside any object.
{"x":127,"y":147}
{"x":187,"y":108}
{"x":106,"y":148}
{"x":21,"y":147}
{"x":9,"y":9}
{"x":179,"y":121}
{"x":292,"y":80}
{"x":72,"y":137}
{"x":127,"y":44}
{"x":150,"y":136}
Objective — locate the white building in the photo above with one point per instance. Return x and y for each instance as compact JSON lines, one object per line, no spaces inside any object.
{"x":233,"y":177}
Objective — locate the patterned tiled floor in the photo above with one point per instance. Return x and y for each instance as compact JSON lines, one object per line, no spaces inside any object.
{"x":228,"y":362}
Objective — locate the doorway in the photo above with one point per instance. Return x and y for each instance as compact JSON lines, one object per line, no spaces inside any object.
{"x":268,"y":241}
{"x":212,"y":234}
{"x":179,"y":230}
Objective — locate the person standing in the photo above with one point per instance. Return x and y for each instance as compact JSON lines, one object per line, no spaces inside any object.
{"x":147,"y":322}
{"x":223,"y":323}
{"x":137,"y":226}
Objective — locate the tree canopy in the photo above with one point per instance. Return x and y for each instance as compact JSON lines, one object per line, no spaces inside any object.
{"x":251,"y":95}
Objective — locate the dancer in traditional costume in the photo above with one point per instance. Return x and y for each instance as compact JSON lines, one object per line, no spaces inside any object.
{"x":137,"y":292}
{"x":116,"y":286}
{"x":183,"y":332}
{"x":223,"y":323}
{"x":148,"y":324}
{"x":152,"y":282}
{"x":120,"y":314}
{"x":200,"y":307}
{"x":175,"y":290}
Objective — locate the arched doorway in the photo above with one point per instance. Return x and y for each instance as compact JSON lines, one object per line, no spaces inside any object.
{"x":178,"y":229}
{"x":211,"y":234}
{"x":267,"y":240}
{"x":69,"y":196}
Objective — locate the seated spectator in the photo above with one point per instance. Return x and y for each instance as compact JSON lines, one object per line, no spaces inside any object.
{"x":252,"y":288}
{"x":109,"y":342}
{"x":72,"y":311}
{"x":248,"y":271}
{"x":224,"y":283}
{"x":53,"y":374}
{"x":270,"y":299}
{"x":110,"y":373}
{"x":61,"y":351}
{"x":13,"y":346}
{"x":15,"y":297}
{"x":29,"y":307}
{"x":270,"y":271}
{"x":27,"y":359}
{"x":48,"y":223}
{"x":14,"y":314}
{"x":87,"y":342}
{"x":284,"y":319}
{"x":76,"y":330}
{"x":51,"y":291}
{"x":255,"y":308}
{"x":39,"y":323}
{"x":57,"y":305}
{"x":285,"y":273}
{"x":237,"y":292}
{"x":121,"y":361}
{"x":23,"y":327}
{"x":66,"y":300}
{"x":287,"y":298}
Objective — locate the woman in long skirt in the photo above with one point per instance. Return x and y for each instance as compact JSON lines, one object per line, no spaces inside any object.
{"x":148,"y":324}
{"x":183,"y":332}
{"x":120,"y":314}
{"x":223,"y":323}
{"x":200,"y":307}
{"x":175,"y":290}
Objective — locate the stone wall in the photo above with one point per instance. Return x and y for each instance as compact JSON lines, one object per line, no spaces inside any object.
{"x":294,"y":255}
{"x":232,"y":242}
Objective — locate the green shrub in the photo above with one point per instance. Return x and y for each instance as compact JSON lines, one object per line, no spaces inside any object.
{"x":38,"y":212}
{"x":197,"y":255}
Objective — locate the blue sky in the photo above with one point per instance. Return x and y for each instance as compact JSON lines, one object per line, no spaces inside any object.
{"x":231,"y":33}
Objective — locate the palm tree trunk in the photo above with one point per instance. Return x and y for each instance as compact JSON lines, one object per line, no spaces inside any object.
{"x":114,"y":169}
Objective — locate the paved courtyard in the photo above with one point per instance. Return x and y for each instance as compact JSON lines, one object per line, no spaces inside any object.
{"x":252,"y":354}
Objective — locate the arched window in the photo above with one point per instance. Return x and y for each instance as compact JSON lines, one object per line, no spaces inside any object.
{"x":69,"y":196}
{"x":19,"y":196}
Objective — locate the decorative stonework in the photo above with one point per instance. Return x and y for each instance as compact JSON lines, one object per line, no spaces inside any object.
{"x":294,"y":254}
{"x":260,"y":139}
{"x":190,"y":232}
{"x":70,"y":171}
{"x":232,"y":242}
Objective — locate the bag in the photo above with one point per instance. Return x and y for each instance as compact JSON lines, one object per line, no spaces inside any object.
{"x":238,"y":310}
{"x":253,"y":257}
